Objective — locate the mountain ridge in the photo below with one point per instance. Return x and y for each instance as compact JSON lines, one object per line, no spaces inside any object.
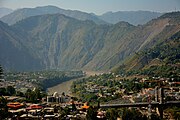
{"x":65,"y":43}
{"x":5,"y":11}
{"x":14,"y":55}
{"x":23,"y":13}
{"x":160,"y":60}
{"x":133,"y":17}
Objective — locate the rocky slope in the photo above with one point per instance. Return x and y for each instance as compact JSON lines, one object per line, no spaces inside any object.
{"x":13,"y":54}
{"x":62,"y":42}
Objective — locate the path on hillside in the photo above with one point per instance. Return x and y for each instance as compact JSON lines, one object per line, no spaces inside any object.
{"x":65,"y":86}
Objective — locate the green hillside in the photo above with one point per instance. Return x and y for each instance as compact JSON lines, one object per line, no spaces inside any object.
{"x":161,"y":60}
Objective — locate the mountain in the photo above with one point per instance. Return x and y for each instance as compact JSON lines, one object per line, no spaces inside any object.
{"x":65,"y":43}
{"x":132,"y":17}
{"x":140,"y":38}
{"x":161,"y":56}
{"x":5,"y":11}
{"x":20,"y":14}
{"x":163,"y":59}
{"x":15,"y":56}
{"x":62,"y":42}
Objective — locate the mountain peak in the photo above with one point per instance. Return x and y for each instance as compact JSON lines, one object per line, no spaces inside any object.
{"x":28,"y":12}
{"x":171,"y":15}
{"x":132,"y":17}
{"x":62,"y":42}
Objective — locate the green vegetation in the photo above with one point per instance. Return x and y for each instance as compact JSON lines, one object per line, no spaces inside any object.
{"x":106,"y":87}
{"x":91,"y":113}
{"x":174,"y":111}
{"x":162,"y":60}
{"x":128,"y":114}
{"x":32,"y":85}
{"x":34,"y":96}
{"x":1,"y":72}
{"x":3,"y":108}
{"x":43,"y":79}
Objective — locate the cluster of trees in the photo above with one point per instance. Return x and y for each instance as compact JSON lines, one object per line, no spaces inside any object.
{"x":123,"y":113}
{"x":128,"y":114}
{"x":1,"y":72}
{"x":3,"y":108}
{"x":9,"y":90}
{"x":174,"y":112}
{"x":33,"y":96}
{"x":168,"y":71}
{"x":44,"y":79}
{"x":109,"y":82}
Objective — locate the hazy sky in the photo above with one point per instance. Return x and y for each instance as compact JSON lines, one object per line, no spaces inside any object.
{"x":98,"y":6}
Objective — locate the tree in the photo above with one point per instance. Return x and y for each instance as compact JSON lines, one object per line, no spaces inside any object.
{"x":3,"y":91}
{"x":18,"y":93}
{"x":112,"y":114}
{"x":37,"y":94}
{"x":73,"y":106}
{"x":3,"y":108}
{"x":1,"y":72}
{"x":91,"y":113}
{"x":132,"y":114}
{"x":155,"y":117}
{"x":11,"y":90}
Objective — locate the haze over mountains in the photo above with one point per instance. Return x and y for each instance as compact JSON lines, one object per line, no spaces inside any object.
{"x":28,"y":12}
{"x":5,"y":11}
{"x":13,"y":54}
{"x":133,"y":17}
{"x":57,"y":41}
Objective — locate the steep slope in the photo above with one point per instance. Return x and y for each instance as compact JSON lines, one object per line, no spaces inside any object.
{"x":161,"y":53}
{"x":133,"y":17}
{"x":5,"y":11}
{"x":15,"y":56}
{"x":163,"y":59}
{"x":142,"y":37}
{"x":28,"y":12}
{"x":62,"y":42}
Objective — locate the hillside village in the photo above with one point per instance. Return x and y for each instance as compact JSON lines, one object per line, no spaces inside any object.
{"x":90,"y":93}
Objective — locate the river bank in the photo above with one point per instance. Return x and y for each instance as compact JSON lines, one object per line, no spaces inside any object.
{"x":66,"y":86}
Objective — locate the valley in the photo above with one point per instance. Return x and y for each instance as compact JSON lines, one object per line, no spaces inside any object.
{"x":66,"y":86}
{"x":68,"y":64}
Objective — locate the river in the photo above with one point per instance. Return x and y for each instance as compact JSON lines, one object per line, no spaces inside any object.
{"x":65,"y":86}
